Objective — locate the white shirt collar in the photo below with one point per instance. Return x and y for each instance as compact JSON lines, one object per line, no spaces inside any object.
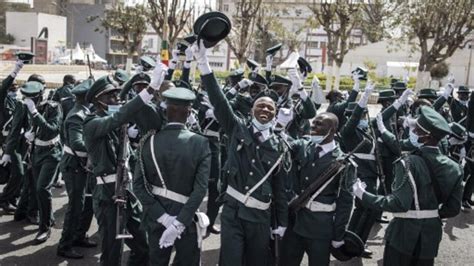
{"x":175,"y":123}
{"x":326,"y":148}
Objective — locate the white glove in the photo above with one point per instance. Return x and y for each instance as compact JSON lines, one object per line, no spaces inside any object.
{"x":199,"y":52}
{"x":158,"y":75}
{"x":132,"y":131}
{"x":18,"y":66}
{"x":174,"y":58}
{"x":295,"y":79}
{"x":210,"y":114}
{"x":269,"y":62}
{"x":337,"y":244}
{"x":30,"y":135}
{"x":356,"y":78}
{"x":448,"y":90}
{"x":358,"y":188}
{"x":166,"y":220}
{"x":280,"y":231}
{"x":284,"y":116}
{"x":403,"y":98}
{"x":30,"y":105}
{"x":139,"y":69}
{"x":5,"y":159}
{"x":191,"y":120}
{"x":380,"y":124}
{"x":171,"y":233}
{"x":317,"y":93}
{"x":189,"y":57}
{"x":365,"y":96}
{"x":409,"y":122}
{"x":450,"y":78}
{"x":245,"y":83}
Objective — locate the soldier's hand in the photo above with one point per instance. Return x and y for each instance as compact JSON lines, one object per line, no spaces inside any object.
{"x":189,"y":53}
{"x":18,"y":66}
{"x":356,"y":76}
{"x":158,"y":75}
{"x":358,"y":188}
{"x":166,"y":220}
{"x":6,"y":158}
{"x":450,"y":78}
{"x":30,"y":105}
{"x":404,"y":97}
{"x":132,"y":131}
{"x":380,"y":124}
{"x":175,"y":56}
{"x":30,"y":135}
{"x":280,"y":231}
{"x":171,"y":233}
{"x":245,"y":83}
{"x":448,"y":90}
{"x":284,"y":116}
{"x":199,"y":51}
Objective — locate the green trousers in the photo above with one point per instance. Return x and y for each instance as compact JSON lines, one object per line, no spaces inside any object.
{"x":105,"y":212}
{"x":393,"y":257}
{"x":242,"y":242}
{"x":43,"y":175}
{"x":12,"y":189}
{"x":187,"y":251}
{"x":293,"y":247}
{"x":78,"y":215}
{"x":27,"y":205}
{"x":212,"y":205}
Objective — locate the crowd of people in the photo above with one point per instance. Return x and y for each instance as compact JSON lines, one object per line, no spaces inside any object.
{"x":142,"y":152}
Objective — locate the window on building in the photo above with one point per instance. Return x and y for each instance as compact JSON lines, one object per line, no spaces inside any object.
{"x":150,"y":43}
{"x":323,"y":45}
{"x":216,"y":64}
{"x":226,"y":8}
{"x":313,"y":44}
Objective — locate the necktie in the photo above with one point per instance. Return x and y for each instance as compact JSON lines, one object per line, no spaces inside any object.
{"x":318,"y":151}
{"x":259,"y":136}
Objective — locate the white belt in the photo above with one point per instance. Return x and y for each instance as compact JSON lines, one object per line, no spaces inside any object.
{"x":5,"y":133}
{"x":249,"y":201}
{"x":68,"y":150}
{"x":211,"y":133}
{"x":471,"y":134}
{"x":365,"y":156}
{"x":420,"y":214}
{"x":166,"y":193}
{"x":50,"y":142}
{"x":316,"y":206}
{"x":106,"y":179}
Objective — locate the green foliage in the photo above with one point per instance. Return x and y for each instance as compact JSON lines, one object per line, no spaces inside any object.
{"x":439,"y":70}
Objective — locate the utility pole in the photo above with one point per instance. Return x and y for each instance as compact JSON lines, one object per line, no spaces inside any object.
{"x":164,"y":38}
{"x":469,"y":62}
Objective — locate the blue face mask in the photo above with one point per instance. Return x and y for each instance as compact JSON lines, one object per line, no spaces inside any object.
{"x":317,"y":139}
{"x":12,"y":94}
{"x":112,"y":109}
{"x":261,"y":126}
{"x":414,"y":139}
{"x":363,"y":124}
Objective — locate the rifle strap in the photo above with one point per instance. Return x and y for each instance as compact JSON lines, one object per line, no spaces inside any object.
{"x":325,"y":185}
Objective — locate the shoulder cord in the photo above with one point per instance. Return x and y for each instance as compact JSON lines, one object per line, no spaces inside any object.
{"x":140,"y":161}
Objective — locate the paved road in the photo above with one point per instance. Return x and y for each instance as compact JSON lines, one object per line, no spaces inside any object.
{"x":16,"y":242}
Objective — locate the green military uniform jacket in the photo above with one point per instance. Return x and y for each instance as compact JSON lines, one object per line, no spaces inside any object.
{"x":321,"y":225}
{"x":403,"y":234}
{"x":338,"y":108}
{"x":303,"y":110}
{"x":65,"y":98}
{"x":248,"y":161}
{"x":174,"y":146}
{"x":352,"y":136}
{"x":7,"y":107}
{"x":74,"y":138}
{"x":48,"y":126}
{"x":101,"y":137}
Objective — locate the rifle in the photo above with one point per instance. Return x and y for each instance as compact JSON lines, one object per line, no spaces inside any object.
{"x":120,"y":197}
{"x":334,"y":169}
{"x":90,"y":69}
{"x":378,"y":159}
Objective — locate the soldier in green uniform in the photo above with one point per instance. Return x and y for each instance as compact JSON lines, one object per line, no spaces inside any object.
{"x":64,"y":96}
{"x":101,"y":136}
{"x":8,"y":96}
{"x":251,"y":180}
{"x":170,"y":203}
{"x":73,"y":168}
{"x":337,"y":105}
{"x":426,"y":189}
{"x":46,"y":151}
{"x":352,"y":133}
{"x":322,"y":222}
{"x":469,"y":169}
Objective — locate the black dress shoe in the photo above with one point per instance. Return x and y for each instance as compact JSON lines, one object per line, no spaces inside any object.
{"x":42,"y":236}
{"x":8,"y":208}
{"x":33,"y":220}
{"x":382,"y":220}
{"x":470,"y":201}
{"x":214,"y":230}
{"x":69,"y":254}
{"x":19,"y":217}
{"x":367,"y":254}
{"x":84,"y":243}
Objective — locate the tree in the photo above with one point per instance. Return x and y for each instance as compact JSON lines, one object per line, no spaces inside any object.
{"x":338,"y":18}
{"x":243,"y":28}
{"x":129,"y":23}
{"x":179,"y":13}
{"x":437,"y":28}
{"x":377,"y":18}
